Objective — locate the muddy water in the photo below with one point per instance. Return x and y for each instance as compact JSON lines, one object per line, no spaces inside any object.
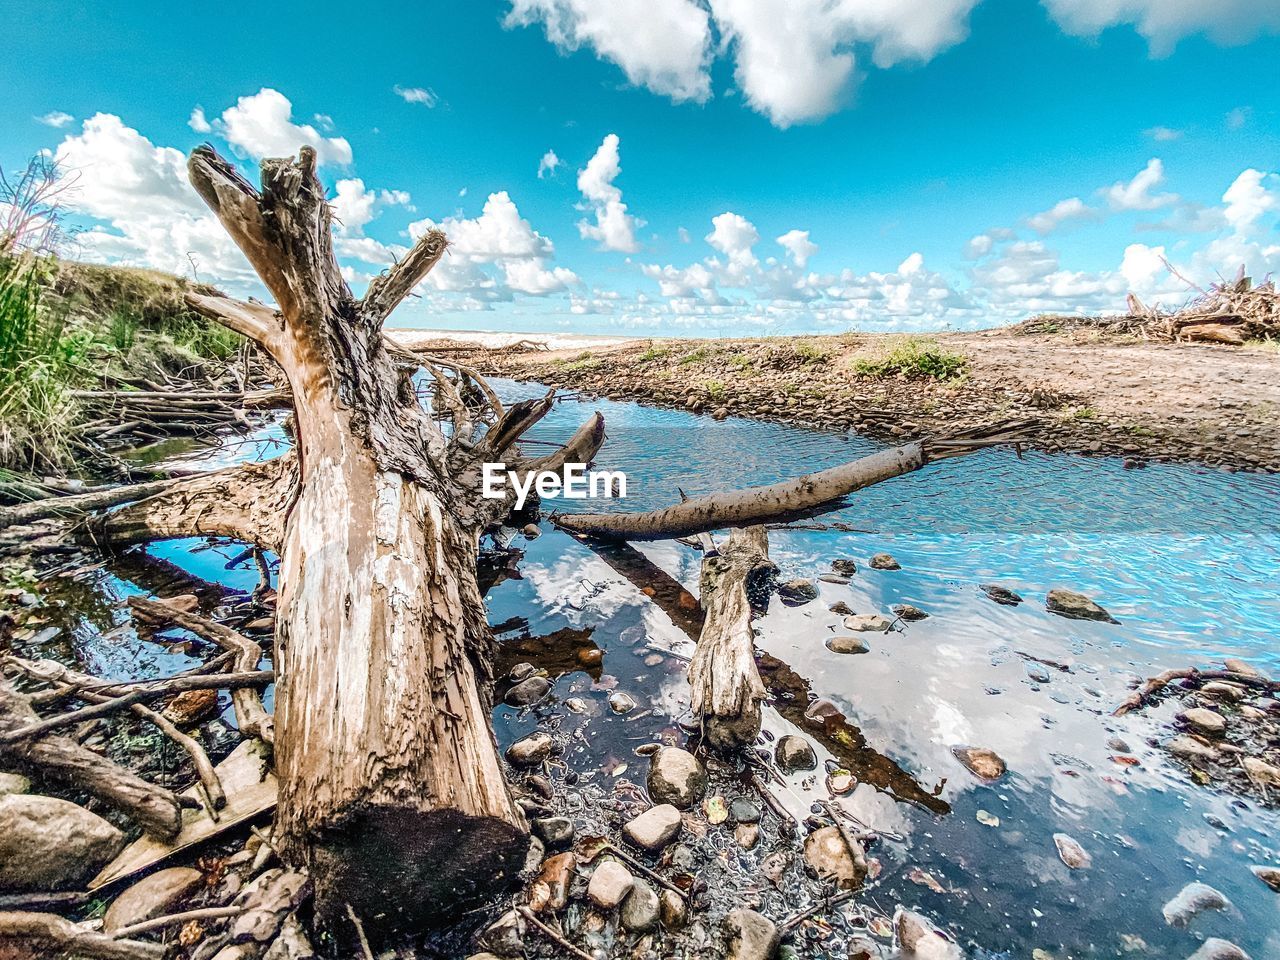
{"x":1187,"y":560}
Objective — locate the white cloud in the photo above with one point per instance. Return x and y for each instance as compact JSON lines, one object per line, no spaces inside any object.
{"x":56,"y":119}
{"x":734,"y":236}
{"x":1249,"y":198}
{"x":664,"y":45}
{"x":547,"y":165}
{"x":423,"y":95}
{"x":1237,"y":117}
{"x":1049,"y":220}
{"x":799,"y":246}
{"x":1165,"y":22}
{"x":199,"y":122}
{"x":614,"y":228}
{"x":261,"y":125}
{"x":1136,"y":194}
{"x":531,"y":277}
{"x":1163,"y":134}
{"x":353,"y":206}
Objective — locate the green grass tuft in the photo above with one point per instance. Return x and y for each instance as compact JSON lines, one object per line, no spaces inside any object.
{"x":915,"y":358}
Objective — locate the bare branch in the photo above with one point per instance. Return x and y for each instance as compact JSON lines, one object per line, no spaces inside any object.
{"x":387,"y":290}
{"x":256,"y":321}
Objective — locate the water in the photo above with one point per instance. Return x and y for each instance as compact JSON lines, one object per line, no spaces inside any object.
{"x":1187,"y":559}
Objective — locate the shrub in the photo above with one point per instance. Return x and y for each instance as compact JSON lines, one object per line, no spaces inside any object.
{"x":915,"y":358}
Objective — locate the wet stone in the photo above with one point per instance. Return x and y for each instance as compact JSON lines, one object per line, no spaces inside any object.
{"x":1071,"y":853}
{"x":982,"y":763}
{"x":1001,"y":595}
{"x":885,"y":561}
{"x":1193,"y":899}
{"x":1076,"y":606}
{"x":844,"y":567}
{"x":847,"y":645}
{"x":749,"y":936}
{"x":521,"y":671}
{"x":747,"y":835}
{"x":1239,"y":666}
{"x":620,"y":702}
{"x":676,"y":777}
{"x":610,"y":883}
{"x":743,"y":810}
{"x":1268,"y":875}
{"x":796,"y":592}
{"x":1204,"y":720}
{"x":1189,"y":748}
{"x":152,"y":896}
{"x":909,"y":613}
{"x":51,"y":844}
{"x":502,"y":937}
{"x":867,"y":622}
{"x":835,"y":578}
{"x":794,"y":753}
{"x":864,"y":948}
{"x":531,"y":531}
{"x":655,"y":828}
{"x":1223,"y":690}
{"x":673,"y":910}
{"x":1260,"y":773}
{"x":528,"y":692}
{"x":1037,"y":673}
{"x":820,"y":709}
{"x":13,"y":783}
{"x":552,"y":885}
{"x":828,"y":856}
{"x":1215,"y":948}
{"x":555,"y":832}
{"x":641,"y":909}
{"x":530,"y":751}
{"x":918,"y":936}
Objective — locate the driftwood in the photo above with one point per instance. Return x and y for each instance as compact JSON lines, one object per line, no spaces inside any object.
{"x":36,"y":935}
{"x":1151,"y":688}
{"x":78,"y":504}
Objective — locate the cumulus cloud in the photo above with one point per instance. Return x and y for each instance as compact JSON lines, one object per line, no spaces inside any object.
{"x":56,"y":119}
{"x":261,"y":125}
{"x":547,"y":165}
{"x":1165,"y":22}
{"x":1249,"y":198}
{"x":614,"y":227}
{"x":423,"y":95}
{"x":734,"y":236}
{"x":1049,"y":220}
{"x":799,"y":246}
{"x":1163,"y":134}
{"x":664,"y":45}
{"x":1136,"y":194}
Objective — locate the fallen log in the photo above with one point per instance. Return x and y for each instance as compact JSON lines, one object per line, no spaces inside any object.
{"x":37,"y":935}
{"x":79,"y":504}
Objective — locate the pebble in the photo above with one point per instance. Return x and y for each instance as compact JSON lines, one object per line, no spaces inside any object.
{"x":655,"y":828}
{"x":1071,"y":853}
{"x":51,"y":844}
{"x":1204,"y":720}
{"x":676,"y":777}
{"x":796,"y":592}
{"x":555,"y":832}
{"x":747,"y":835}
{"x":828,"y":856}
{"x":1260,"y":773}
{"x":840,"y":782}
{"x":521,"y":671}
{"x":836,"y":578}
{"x":13,"y":783}
{"x":552,"y":886}
{"x":743,"y":810}
{"x":750,"y":935}
{"x":1223,"y":690}
{"x":794,"y":753}
{"x":531,"y":531}
{"x":885,"y":561}
{"x":641,"y":908}
{"x":864,"y":948}
{"x":820,"y":709}
{"x":1037,"y":673}
{"x":1075,"y":606}
{"x":918,"y":936}
{"x":502,"y":937}
{"x":847,"y":645}
{"x":610,"y":883}
{"x":1268,"y":875}
{"x":715,"y":810}
{"x":1001,"y":595}
{"x":673,"y":909}
{"x":867,"y":621}
{"x":590,"y":657}
{"x":620,"y":702}
{"x":844,"y":566}
{"x":905,"y":611}
{"x":840,"y":608}
{"x":1215,"y":948}
{"x":528,"y":692}
{"x":1189,"y":748}
{"x":982,"y":763}
{"x":531,"y":750}
{"x":1194,"y":898}
{"x":152,"y":896}
{"x":1239,"y":666}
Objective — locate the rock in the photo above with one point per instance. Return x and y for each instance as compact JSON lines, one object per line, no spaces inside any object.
{"x":840,"y":608}
{"x":828,"y":856}
{"x":1268,"y":875}
{"x":191,"y":706}
{"x":13,"y":783}
{"x":743,"y":810}
{"x":655,"y":828}
{"x":841,"y":782}
{"x":610,"y":884}
{"x":673,"y":910}
{"x":905,"y":611}
{"x":1204,"y":720}
{"x":528,"y":692}
{"x":838,"y":579}
{"x":917,"y":936}
{"x":1001,"y":595}
{"x":555,"y":832}
{"x":530,"y":751}
{"x":719,"y":413}
{"x":847,"y":645}
{"x":820,"y":710}
{"x":640,"y":910}
{"x":982,"y":763}
{"x":864,"y":948}
{"x":1239,"y":666}
{"x":1194,"y":898}
{"x":521,"y":671}
{"x":1071,"y":853}
{"x":502,"y":937}
{"x":676,"y":777}
{"x":867,"y":621}
{"x":794,"y":753}
{"x":1260,"y":773}
{"x":531,"y":531}
{"x":1075,"y":606}
{"x":749,"y":935}
{"x":51,"y":844}
{"x":620,"y":702}
{"x":152,"y":896}
{"x":1223,"y":690}
{"x":550,"y":890}
{"x":1215,"y":948}
{"x":843,"y":566}
{"x":795,"y":592}
{"x":884,"y":561}
{"x":747,"y":835}
{"x":1189,"y":748}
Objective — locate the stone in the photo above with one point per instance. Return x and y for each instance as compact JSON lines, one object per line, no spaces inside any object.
{"x":531,"y":750}
{"x":1191,"y":900}
{"x":749,"y":935}
{"x":555,"y":832}
{"x":838,"y":579}
{"x":1223,"y":690}
{"x":1071,"y":853}
{"x":502,"y":937}
{"x":655,"y":828}
{"x":982,"y":763}
{"x":191,"y":706}
{"x":794,"y":753}
{"x":673,"y":910}
{"x":620,"y":702}
{"x":747,"y":835}
{"x":590,"y":657}
{"x":528,"y":692}
{"x":51,"y":844}
{"x":1268,"y":875}
{"x":1204,"y":720}
{"x":610,"y":883}
{"x":796,"y":592}
{"x":640,"y":910}
{"x":1189,"y":748}
{"x":918,"y":936}
{"x":864,"y":948}
{"x":1260,"y":773}
{"x":1075,"y":606}
{"x":744,"y":810}
{"x":676,"y":777}
{"x":827,"y":854}
{"x":521,"y":671}
{"x":152,"y":896}
{"x":531,"y":531}
{"x":840,"y":608}
{"x":719,"y":413}
{"x":821,"y":709}
{"x":1001,"y":595}
{"x":843,"y":566}
{"x":905,"y":611}
{"x":1236,"y":665}
{"x":1215,"y":948}
{"x":847,"y":645}
{"x":862,"y":622}
{"x":550,"y":890}
{"x":13,"y":783}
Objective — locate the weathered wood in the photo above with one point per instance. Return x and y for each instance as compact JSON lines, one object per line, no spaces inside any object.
{"x":736,"y":579}
{"x":37,"y":935}
{"x":79,"y":504}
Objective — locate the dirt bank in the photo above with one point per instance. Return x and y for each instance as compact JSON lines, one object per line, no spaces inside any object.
{"x":1087,"y":391}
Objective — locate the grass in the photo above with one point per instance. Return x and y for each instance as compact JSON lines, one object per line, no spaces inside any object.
{"x":914,"y":358}
{"x":581,"y":363}
{"x":694,"y":356}
{"x":715,"y":389}
{"x":654,"y":352}
{"x":1271,"y":346}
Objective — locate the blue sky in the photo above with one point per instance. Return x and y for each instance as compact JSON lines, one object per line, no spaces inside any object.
{"x":931,"y":163}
